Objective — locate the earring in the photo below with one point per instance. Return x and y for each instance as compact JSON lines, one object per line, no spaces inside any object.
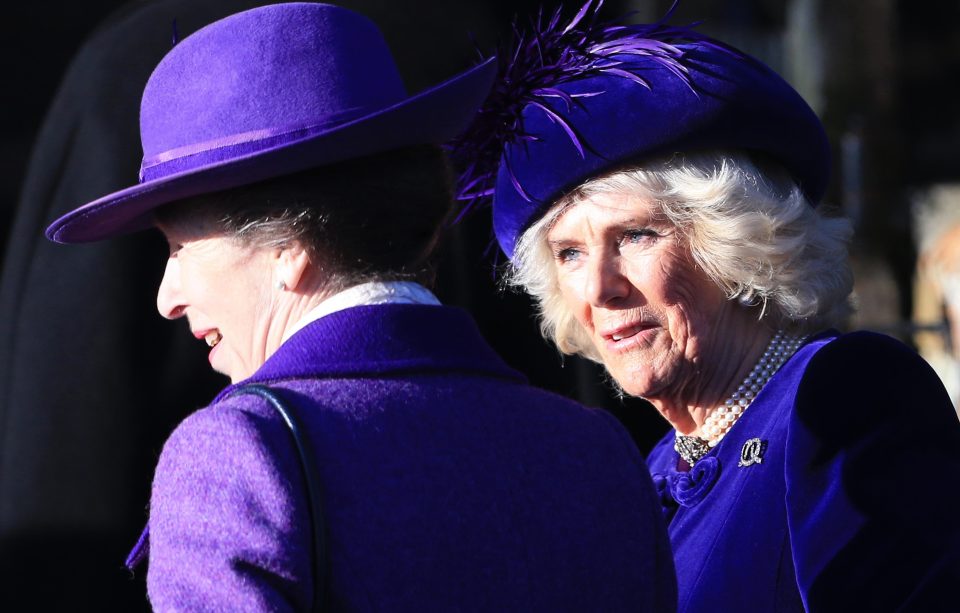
{"x":281,"y":285}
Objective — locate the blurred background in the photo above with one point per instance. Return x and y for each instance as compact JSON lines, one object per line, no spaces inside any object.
{"x":92,"y":380}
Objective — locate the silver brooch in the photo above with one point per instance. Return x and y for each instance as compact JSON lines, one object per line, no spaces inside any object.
{"x":752,"y":452}
{"x":690,"y":448}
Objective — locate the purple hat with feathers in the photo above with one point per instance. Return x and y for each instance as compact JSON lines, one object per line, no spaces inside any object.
{"x":575,"y":100}
{"x":268,"y":92}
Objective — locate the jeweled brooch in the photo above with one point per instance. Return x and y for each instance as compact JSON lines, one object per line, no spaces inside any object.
{"x":752,"y":452}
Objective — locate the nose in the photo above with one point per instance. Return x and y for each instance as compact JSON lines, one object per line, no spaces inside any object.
{"x":605,"y":281}
{"x":169,"y":297}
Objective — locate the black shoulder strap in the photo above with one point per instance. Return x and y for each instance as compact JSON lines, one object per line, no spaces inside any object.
{"x":314,"y":501}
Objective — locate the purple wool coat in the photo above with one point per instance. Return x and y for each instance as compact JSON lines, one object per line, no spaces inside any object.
{"x":836,"y":491}
{"x":449,"y":484}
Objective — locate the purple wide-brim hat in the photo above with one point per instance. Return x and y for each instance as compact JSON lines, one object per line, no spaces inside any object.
{"x":268,"y":92}
{"x":660,"y":91}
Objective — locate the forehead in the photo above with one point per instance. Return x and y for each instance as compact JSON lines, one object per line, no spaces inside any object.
{"x":188,"y":224}
{"x":614,"y":208}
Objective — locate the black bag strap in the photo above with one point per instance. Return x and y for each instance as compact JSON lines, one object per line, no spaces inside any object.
{"x":312,"y":479}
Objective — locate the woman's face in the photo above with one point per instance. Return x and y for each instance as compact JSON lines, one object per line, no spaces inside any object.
{"x":224,"y":288}
{"x":652,"y":314}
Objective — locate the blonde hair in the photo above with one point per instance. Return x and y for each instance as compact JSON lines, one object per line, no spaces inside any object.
{"x":752,"y":232}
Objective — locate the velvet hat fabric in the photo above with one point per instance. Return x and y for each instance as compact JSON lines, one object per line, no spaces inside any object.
{"x":267,"y":92}
{"x":595,"y":97}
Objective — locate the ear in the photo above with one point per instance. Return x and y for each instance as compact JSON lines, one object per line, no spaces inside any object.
{"x":292,"y":264}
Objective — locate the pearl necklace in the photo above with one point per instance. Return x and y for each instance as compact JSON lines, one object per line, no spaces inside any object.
{"x":721,"y":419}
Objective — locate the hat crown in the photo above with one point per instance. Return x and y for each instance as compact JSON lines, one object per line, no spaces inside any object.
{"x":270,"y":92}
{"x":275,"y":68}
{"x":726,"y":100}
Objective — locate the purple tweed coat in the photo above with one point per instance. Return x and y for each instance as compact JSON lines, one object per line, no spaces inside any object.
{"x":449,"y":484}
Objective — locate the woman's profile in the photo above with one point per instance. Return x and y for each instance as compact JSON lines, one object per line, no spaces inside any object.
{"x":302,"y":192}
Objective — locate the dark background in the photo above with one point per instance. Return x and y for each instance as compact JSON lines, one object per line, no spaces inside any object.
{"x":74,"y":475}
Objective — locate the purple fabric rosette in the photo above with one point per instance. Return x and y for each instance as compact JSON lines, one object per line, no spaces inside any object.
{"x":686,"y":489}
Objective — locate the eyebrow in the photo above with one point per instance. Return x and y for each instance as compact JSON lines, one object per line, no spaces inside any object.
{"x":619,"y":225}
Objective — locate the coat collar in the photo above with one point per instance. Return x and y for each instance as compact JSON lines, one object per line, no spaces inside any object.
{"x":385,"y":339}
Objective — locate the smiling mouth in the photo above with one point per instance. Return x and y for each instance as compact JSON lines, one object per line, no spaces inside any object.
{"x":628,"y":332}
{"x":619,"y":336}
{"x":212,"y":338}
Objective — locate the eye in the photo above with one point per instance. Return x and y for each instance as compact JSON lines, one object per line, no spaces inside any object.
{"x":566,"y":254}
{"x":636,"y":235}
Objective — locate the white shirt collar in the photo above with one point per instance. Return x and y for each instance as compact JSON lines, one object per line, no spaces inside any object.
{"x":373,"y":292}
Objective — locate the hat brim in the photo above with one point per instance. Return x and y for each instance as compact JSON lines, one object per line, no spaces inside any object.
{"x":432,"y":116}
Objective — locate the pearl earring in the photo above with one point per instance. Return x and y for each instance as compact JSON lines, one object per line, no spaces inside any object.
{"x":281,"y":285}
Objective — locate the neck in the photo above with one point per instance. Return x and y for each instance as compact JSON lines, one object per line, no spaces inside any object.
{"x":695,"y":445}
{"x":718,"y":377}
{"x":291,"y":305}
{"x":290,"y":308}
{"x":726,"y":381}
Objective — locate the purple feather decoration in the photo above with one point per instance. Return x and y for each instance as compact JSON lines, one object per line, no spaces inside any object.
{"x":536,"y":63}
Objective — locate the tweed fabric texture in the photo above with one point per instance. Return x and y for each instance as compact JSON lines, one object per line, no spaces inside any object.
{"x":449,"y":484}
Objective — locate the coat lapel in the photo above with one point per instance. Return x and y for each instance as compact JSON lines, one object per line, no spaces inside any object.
{"x":380,"y":340}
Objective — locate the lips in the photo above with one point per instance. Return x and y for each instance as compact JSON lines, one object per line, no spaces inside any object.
{"x":619,"y":336}
{"x":620,"y":333}
{"x":624,"y":337}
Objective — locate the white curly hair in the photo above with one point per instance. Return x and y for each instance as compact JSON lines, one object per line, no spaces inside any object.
{"x":749,"y":228}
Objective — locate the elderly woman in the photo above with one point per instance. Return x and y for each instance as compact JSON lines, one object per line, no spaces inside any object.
{"x":372,"y":452}
{"x":656,"y":192}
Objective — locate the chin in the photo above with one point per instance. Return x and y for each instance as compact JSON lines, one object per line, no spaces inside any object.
{"x":239,"y":373}
{"x":636,"y":391}
{"x":636,"y":385}
{"x":632,"y":381}
{"x":227,"y":371}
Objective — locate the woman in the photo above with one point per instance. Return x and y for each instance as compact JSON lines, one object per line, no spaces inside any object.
{"x":656,"y":193}
{"x":302,"y":194}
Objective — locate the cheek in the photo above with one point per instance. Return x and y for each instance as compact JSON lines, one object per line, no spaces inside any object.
{"x":701,"y":301}
{"x":570,"y":289}
{"x":192,"y":283}
{"x":685,"y":285}
{"x":699,"y":307}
